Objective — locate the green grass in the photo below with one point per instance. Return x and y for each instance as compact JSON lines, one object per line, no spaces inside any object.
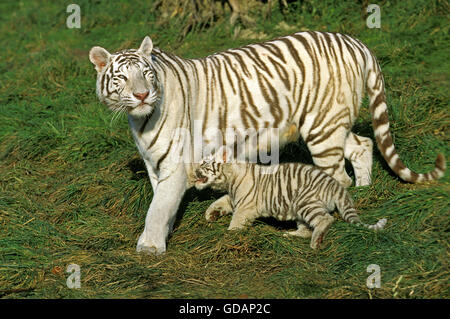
{"x":74,"y":190}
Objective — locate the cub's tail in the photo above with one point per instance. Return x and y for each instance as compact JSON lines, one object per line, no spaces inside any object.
{"x":350,"y":215}
{"x":377,"y":226}
{"x":380,"y":123}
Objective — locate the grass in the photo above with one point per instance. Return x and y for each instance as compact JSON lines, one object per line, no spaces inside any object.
{"x":74,"y":190}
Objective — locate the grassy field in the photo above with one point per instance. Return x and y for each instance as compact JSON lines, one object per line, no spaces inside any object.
{"x":74,"y":190}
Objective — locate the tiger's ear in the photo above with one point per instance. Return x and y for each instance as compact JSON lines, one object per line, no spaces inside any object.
{"x":146,"y":46}
{"x":99,"y":57}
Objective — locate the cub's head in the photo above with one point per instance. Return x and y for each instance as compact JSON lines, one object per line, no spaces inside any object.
{"x":209,"y":173}
{"x":214,"y":171}
{"x":126,"y":80}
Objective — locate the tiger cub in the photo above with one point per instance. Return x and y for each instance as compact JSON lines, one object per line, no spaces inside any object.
{"x":290,"y":191}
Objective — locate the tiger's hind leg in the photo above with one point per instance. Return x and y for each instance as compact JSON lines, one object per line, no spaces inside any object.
{"x":321,"y":227}
{"x":358,"y":150}
{"x":316,"y":215}
{"x":327,"y":151}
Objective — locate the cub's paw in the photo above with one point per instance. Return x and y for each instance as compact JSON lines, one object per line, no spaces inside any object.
{"x":212,"y":214}
{"x":220,"y":207}
{"x":315,"y":244}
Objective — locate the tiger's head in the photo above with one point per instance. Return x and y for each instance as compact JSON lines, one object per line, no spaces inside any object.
{"x":126,"y":80}
{"x":209,"y":173}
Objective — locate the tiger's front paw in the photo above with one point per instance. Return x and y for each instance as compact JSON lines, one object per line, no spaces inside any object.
{"x":218,"y":209}
{"x":150,"y":246}
{"x":213,"y":213}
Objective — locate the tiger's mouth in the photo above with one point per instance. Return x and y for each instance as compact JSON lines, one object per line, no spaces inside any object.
{"x":142,"y":109}
{"x":140,"y":105}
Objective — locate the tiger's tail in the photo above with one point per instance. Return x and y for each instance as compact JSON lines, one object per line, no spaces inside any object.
{"x":350,"y":214}
{"x":379,"y":225}
{"x":380,"y":123}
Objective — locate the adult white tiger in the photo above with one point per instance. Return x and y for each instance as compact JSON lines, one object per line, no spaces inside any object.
{"x":309,"y":84}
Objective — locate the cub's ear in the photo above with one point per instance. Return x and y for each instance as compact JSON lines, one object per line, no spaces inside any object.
{"x":146,"y":46}
{"x":99,"y":57}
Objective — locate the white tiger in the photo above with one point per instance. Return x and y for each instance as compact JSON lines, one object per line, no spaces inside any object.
{"x":309,"y":84}
{"x":290,"y":191}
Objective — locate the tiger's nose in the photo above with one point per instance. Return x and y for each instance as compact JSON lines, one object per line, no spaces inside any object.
{"x":141,"y":96}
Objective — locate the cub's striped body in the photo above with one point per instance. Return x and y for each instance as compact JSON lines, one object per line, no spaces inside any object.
{"x":309,"y":84}
{"x":293,"y":191}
